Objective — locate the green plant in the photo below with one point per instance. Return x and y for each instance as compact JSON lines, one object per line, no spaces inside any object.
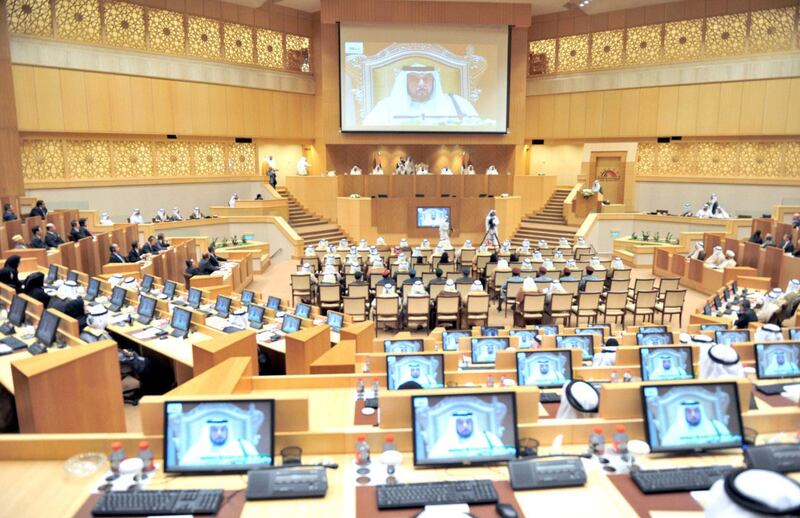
{"x":668,"y":239}
{"x":234,"y":240}
{"x":224,"y":242}
{"x":655,"y":237}
{"x":645,"y":235}
{"x":634,"y":237}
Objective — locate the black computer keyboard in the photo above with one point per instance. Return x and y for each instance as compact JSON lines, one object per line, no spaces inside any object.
{"x":158,"y":503}
{"x":770,"y":390}
{"x":14,"y":342}
{"x":679,"y":479}
{"x":550,"y":397}
{"x":7,"y":328}
{"x":398,"y":496}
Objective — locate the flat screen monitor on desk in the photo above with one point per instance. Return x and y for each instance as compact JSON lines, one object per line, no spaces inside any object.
{"x":544,"y":369}
{"x":414,"y":371}
{"x":16,"y":313}
{"x":147,"y":308}
{"x":484,"y":350}
{"x":274,"y":303}
{"x":794,"y":333}
{"x":547,"y":330}
{"x":692,"y":417}
{"x":230,"y":436}
{"x":181,"y":319}
{"x":335,"y":320}
{"x":464,"y":429}
{"x":707,"y":310}
{"x":666,"y":363}
{"x":643,"y":330}
{"x":72,"y":276}
{"x":255,"y":315}
{"x":527,"y":337}
{"x":47,"y":328}
{"x":777,"y":360}
{"x":52,"y":274}
{"x":654,"y":338}
{"x":583,"y":342}
{"x":194,"y":298}
{"x":147,"y":284}
{"x":713,"y":327}
{"x":732,"y":336}
{"x":490,"y":331}
{"x":290,"y":324}
{"x":403,"y":346}
{"x":450,"y":339}
{"x":169,"y":289}
{"x":589,"y":331}
{"x":118,"y":297}
{"x":248,"y":296}
{"x":302,"y":310}
{"x":717,"y":302}
{"x":432,"y":217}
{"x":93,"y":289}
{"x":222,"y":306}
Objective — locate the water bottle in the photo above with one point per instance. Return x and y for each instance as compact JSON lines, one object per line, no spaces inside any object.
{"x":388,"y":442}
{"x":490,"y":381}
{"x":362,"y":450}
{"x":375,"y":387}
{"x":614,"y":377}
{"x":367,"y":365}
{"x":360,"y":386}
{"x":597,"y":442}
{"x":621,"y":441}
{"x":626,"y":377}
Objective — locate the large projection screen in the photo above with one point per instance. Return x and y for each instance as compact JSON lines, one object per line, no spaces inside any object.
{"x":432,"y":78}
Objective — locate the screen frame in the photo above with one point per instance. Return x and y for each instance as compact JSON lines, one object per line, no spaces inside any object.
{"x":118,"y":289}
{"x":241,"y":469}
{"x":646,"y":418}
{"x":251,"y":294}
{"x":468,"y":334}
{"x":338,"y":315}
{"x":749,"y":336}
{"x":591,"y":345}
{"x":151,"y":300}
{"x":418,"y":208}
{"x":534,"y":352}
{"x":651,"y":347}
{"x":305,"y":306}
{"x":411,"y":132}
{"x":269,"y":301}
{"x":176,"y":311}
{"x":670,"y":333}
{"x":19,"y":300}
{"x":299,"y":324}
{"x":52,"y":338}
{"x":758,"y":362}
{"x":445,"y":463}
{"x":474,"y":339}
{"x":93,"y":286}
{"x":147,"y":283}
{"x":440,"y":356}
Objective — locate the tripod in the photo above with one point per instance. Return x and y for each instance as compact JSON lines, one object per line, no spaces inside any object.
{"x":492,"y":235}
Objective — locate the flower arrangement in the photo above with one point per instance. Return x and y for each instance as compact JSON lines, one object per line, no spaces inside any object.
{"x":587,"y":193}
{"x":355,"y":195}
{"x":226,"y":242}
{"x":655,"y":238}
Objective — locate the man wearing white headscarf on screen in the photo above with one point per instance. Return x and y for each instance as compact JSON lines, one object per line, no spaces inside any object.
{"x":691,"y":426}
{"x":418,"y":98}
{"x":666,"y":368}
{"x":217,"y":445}
{"x":780,"y":364}
{"x":545,"y":371}
{"x":464,"y":437}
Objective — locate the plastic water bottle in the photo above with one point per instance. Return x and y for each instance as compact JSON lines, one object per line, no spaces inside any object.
{"x":490,"y":381}
{"x":621,"y":441}
{"x":367,"y":365}
{"x":626,"y":377}
{"x":362,"y":450}
{"x":614,"y":377}
{"x":360,"y":386}
{"x":597,"y":441}
{"x":388,"y":442}
{"x":375,"y":387}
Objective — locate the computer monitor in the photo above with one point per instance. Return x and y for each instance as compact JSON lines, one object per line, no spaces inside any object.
{"x":181,"y":319}
{"x":484,"y":350}
{"x":16,"y":313}
{"x":302,"y":310}
{"x":547,"y":330}
{"x":290,"y":324}
{"x":194,"y":298}
{"x":464,"y":429}
{"x":93,"y":289}
{"x":794,"y":333}
{"x":255,"y":314}
{"x":450,"y":339}
{"x":414,"y":371}
{"x":692,"y":417}
{"x":335,"y":320}
{"x":643,"y":330}
{"x":147,"y":284}
{"x":654,"y":339}
{"x":274,"y":303}
{"x":490,"y":331}
{"x":583,"y":342}
{"x":707,"y":310}
{"x":527,"y":337}
{"x":248,"y":296}
{"x":169,"y":289}
{"x":666,"y":363}
{"x":224,"y":436}
{"x":589,"y":331}
{"x":717,"y":302}
{"x":735,"y":286}
{"x":222,"y":305}
{"x":777,"y":360}
{"x":732,"y":336}
{"x":726,"y":294}
{"x":47,"y":328}
{"x":544,"y":369}
{"x":147,"y":307}
{"x":403,"y":346}
{"x":52,"y":274}
{"x":713,"y":327}
{"x":118,"y":295}
{"x":72,"y":276}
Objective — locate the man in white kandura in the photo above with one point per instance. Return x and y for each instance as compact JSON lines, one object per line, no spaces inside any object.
{"x":780,"y":365}
{"x":492,"y":222}
{"x":666,"y":369}
{"x":544,"y":372}
{"x":355,"y":171}
{"x":303,"y":166}
{"x":136,"y":217}
{"x":217,"y":445}
{"x":464,"y":437}
{"x":414,"y":373}
{"x":692,"y":426}
{"x":417,"y":97}
{"x":492,"y":170}
{"x":444,"y":230}
{"x":446,"y":171}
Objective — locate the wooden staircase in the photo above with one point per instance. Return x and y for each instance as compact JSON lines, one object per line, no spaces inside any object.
{"x":549,"y":224}
{"x":311,"y":227}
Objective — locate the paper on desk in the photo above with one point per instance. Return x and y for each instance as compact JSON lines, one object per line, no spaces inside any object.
{"x":116,"y":319}
{"x":198,"y":337}
{"x":146,"y":334}
{"x":792,"y":392}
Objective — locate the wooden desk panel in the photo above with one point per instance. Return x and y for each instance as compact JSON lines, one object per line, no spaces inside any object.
{"x":352,"y":185}
{"x":427,"y":184}
{"x":401,"y":186}
{"x":452,"y":185}
{"x":377,"y":185}
{"x":475,"y":185}
{"x":498,"y":184}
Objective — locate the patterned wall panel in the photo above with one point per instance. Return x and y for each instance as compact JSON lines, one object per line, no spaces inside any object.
{"x":683,"y":41}
{"x":543,"y":54}
{"x":30,"y":17}
{"x":78,"y":20}
{"x":125,"y":25}
{"x":725,"y":35}
{"x":242,"y":159}
{"x":772,"y":30}
{"x":132,"y":159}
{"x":204,"y":39}
{"x":238,"y":43}
{"x":573,"y":53}
{"x":298,"y":53}
{"x":87,"y":159}
{"x":42,"y":160}
{"x":644,"y":45}
{"x":209,"y":159}
{"x":172,"y":159}
{"x":608,"y":48}
{"x":269,"y":48}
{"x":166,"y":32}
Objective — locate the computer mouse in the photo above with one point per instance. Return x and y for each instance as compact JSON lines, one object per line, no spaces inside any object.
{"x":163,"y":337}
{"x":506,"y":510}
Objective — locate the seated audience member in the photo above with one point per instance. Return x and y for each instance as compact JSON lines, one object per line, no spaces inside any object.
{"x":438,"y":279}
{"x":525,"y":248}
{"x":756,"y":237}
{"x":34,"y":288}
{"x":412,"y":277}
{"x":730,"y":260}
{"x":8,"y":212}
{"x":191,"y":270}
{"x":698,"y":252}
{"x":516,"y":277}
{"x":96,"y":323}
{"x":67,"y":292}
{"x":151,"y":247}
{"x":74,"y":231}
{"x":590,"y":276}
{"x":84,"y":230}
{"x":566,"y":275}
{"x":704,"y":212}
{"x":386,"y":278}
{"x":176,"y":215}
{"x":528,"y":287}
{"x":359,"y":280}
{"x":720,"y":213}
{"x":796,"y":220}
{"x":196,"y":214}
{"x":687,"y":210}
{"x":105,"y":220}
{"x":787,"y":246}
{"x":76,"y":309}
{"x":135,"y":254}
{"x":580,"y":401}
{"x":759,"y":493}
{"x":9,"y":274}
{"x":542,"y":276}
{"x":746,"y":315}
{"x":212,"y":256}
{"x":417,"y":290}
{"x":465,"y":277}
{"x":444,"y":258}
{"x":36,"y":239}
{"x":719,"y":362}
{"x":51,"y":238}
{"x":768,"y":241}
{"x":716,"y":258}
{"x":770,"y":305}
{"x":116,"y":257}
{"x":135,"y":218}
{"x":259,"y":197}
{"x":555,"y":287}
{"x":307,"y":270}
{"x":162,"y":241}
{"x":206,"y":266}
{"x":18,"y":241}
{"x":161,"y":216}
{"x":40,"y":209}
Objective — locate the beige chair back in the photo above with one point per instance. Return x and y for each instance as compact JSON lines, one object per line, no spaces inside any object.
{"x":355,"y":307}
{"x":301,"y":282}
{"x":588,"y":300}
{"x":418,"y":305}
{"x":618,"y":285}
{"x":571,"y":287}
{"x":674,"y":298}
{"x":646,"y":299}
{"x":477,"y":303}
{"x":386,"y":306}
{"x":616,"y":300}
{"x":594,"y":286}
{"x":560,"y":302}
{"x":533,"y":303}
{"x":361,"y":290}
{"x":621,"y":274}
{"x":329,"y":294}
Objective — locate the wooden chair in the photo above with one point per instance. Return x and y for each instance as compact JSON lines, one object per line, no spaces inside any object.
{"x":595,"y":286}
{"x":614,"y":305}
{"x":640,"y":285}
{"x":644,"y":304}
{"x":359,"y":290}
{"x":387,"y":311}
{"x":586,"y":307}
{"x":497,"y":281}
{"x":356,"y":307}
{"x":623,"y":274}
{"x":533,"y":307}
{"x":330,"y":297}
{"x":301,"y":287}
{"x":374,"y":279}
{"x":448,"y":309}
{"x":418,"y":311}
{"x":560,"y":306}
{"x":467,"y":256}
{"x":511,"y":296}
{"x":463,"y":290}
{"x":571,"y":287}
{"x":672,"y":305}
{"x":435,"y":290}
{"x":477,"y":308}
{"x":618,"y":285}
{"x":481,"y":262}
{"x":667,"y":284}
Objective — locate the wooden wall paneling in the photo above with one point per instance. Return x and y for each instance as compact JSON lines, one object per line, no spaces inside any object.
{"x":577,"y":115}
{"x":594,"y":114}
{"x":25,"y":98}
{"x":793,"y":116}
{"x":294,"y":112}
{"x":532,"y":116}
{"x":250,"y":115}
{"x":708,"y":109}
{"x":73,"y":92}
{"x":234,"y":110}
{"x":266,"y":121}
{"x":546,"y":116}
{"x":686,"y":120}
{"x":181,"y":96}
{"x":280,"y":110}
{"x":629,"y":120}
{"x":667,"y":110}
{"x":562,"y":114}
{"x":776,"y":102}
{"x":217,"y":112}
{"x":48,"y":97}
{"x":202,"y":123}
{"x":309,"y":123}
{"x":648,"y":111}
{"x":163,"y":121}
{"x":11,"y":182}
{"x":730,"y":102}
{"x":751,"y":116}
{"x":98,"y":102}
{"x":612,"y":104}
{"x":121,"y":108}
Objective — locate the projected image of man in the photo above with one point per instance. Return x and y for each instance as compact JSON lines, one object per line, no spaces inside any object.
{"x":779,"y":364}
{"x":465,"y":438}
{"x":667,"y":368}
{"x":218,"y":445}
{"x":417,"y":97}
{"x":692,"y":426}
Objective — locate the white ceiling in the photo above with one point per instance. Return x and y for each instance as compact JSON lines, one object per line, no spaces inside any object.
{"x":539,"y":7}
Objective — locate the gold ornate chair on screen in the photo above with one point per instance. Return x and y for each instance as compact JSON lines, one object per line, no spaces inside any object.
{"x":370,"y":78}
{"x":666,"y":409}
